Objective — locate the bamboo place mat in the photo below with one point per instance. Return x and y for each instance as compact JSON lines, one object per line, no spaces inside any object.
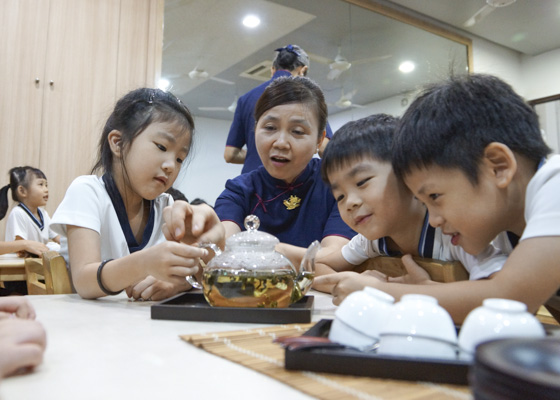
{"x":254,"y":349}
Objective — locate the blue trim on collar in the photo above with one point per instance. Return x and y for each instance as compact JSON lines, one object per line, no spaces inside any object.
{"x":120,"y":209}
{"x":384,"y":249}
{"x":427,"y":238}
{"x":39,"y":222}
{"x":513,"y":239}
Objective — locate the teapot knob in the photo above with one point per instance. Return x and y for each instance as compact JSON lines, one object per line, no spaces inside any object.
{"x":252,"y":223}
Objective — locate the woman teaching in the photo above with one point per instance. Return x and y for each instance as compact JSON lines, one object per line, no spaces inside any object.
{"x":287,"y":192}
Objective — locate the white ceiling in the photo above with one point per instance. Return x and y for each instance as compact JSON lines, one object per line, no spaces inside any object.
{"x":207,"y":34}
{"x":528,"y":26}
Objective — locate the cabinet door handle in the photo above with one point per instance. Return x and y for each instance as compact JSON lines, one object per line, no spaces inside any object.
{"x":51,"y":83}
{"x":37,"y":80}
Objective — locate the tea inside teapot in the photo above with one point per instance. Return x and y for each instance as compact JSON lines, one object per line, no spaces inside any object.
{"x":250,"y":273}
{"x":248,"y":288}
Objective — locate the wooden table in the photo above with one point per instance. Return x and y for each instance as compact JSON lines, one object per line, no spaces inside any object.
{"x":110,"y":348}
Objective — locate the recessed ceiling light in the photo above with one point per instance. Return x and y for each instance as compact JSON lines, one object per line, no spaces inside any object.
{"x":251,"y":21}
{"x":406,"y":67}
{"x":163,"y":84}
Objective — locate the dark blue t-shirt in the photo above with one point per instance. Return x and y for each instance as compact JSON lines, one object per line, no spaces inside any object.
{"x":272,"y":200}
{"x":242,"y":130}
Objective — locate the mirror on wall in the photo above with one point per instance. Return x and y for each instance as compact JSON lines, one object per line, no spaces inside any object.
{"x":548,"y":110}
{"x":210,"y":58}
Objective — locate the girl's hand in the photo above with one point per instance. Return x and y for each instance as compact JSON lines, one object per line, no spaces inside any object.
{"x":171,"y":261}
{"x":22,"y":344}
{"x":32,"y":247}
{"x":16,"y":305}
{"x":192,"y":224}
{"x":156,"y":290}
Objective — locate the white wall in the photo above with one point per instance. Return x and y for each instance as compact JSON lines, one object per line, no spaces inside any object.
{"x":490,"y":58}
{"x":532,"y":77}
{"x":207,"y":172}
{"x":541,"y":74}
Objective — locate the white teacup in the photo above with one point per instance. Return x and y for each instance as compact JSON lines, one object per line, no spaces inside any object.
{"x":419,"y":327}
{"x":497,"y":319}
{"x":360,"y":317}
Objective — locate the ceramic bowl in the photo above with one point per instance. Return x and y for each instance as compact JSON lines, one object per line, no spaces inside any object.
{"x":498,"y":319}
{"x":360,"y":317}
{"x":419,"y":327}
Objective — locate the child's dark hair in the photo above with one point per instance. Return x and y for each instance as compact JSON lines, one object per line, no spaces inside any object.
{"x":369,"y":137}
{"x":290,"y":57}
{"x":133,"y":113}
{"x":176,"y":194}
{"x":450,"y":124}
{"x":198,"y":200}
{"x":290,"y":90}
{"x":19,"y":176}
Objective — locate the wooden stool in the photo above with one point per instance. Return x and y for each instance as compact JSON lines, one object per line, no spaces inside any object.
{"x":51,"y":269}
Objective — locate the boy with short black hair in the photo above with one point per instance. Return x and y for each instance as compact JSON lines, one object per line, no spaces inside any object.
{"x":471,"y":149}
{"x":378,"y":205}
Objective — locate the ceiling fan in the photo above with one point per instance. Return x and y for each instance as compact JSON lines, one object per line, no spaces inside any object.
{"x":490,"y":6}
{"x":199,"y":73}
{"x":345,"y":100}
{"x":341,"y":63}
{"x":231,"y":108}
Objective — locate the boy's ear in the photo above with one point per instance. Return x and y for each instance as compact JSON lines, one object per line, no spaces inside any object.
{"x":115,"y":142}
{"x":501,"y":162}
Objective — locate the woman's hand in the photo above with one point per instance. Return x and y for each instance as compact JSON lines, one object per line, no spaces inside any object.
{"x":192,"y":224}
{"x":156,"y":290}
{"x":16,"y":305}
{"x":22,"y":344}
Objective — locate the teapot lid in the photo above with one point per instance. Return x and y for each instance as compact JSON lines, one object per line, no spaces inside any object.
{"x":252,"y":237}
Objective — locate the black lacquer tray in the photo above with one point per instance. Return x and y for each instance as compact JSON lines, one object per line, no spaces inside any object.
{"x":353,"y":362}
{"x":193,"y":307}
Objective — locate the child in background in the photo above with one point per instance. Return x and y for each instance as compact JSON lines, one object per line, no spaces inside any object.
{"x":376,"y":204}
{"x":28,"y":220}
{"x":112,"y":224}
{"x":471,"y":149}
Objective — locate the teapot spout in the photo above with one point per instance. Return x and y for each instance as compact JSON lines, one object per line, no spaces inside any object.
{"x":306,"y":272}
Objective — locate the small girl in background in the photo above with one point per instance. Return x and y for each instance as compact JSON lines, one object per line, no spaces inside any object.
{"x":28,"y":220}
{"x":111,"y":225}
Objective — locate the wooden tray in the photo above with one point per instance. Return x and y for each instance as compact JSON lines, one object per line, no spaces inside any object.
{"x":193,"y":307}
{"x":439,"y":271}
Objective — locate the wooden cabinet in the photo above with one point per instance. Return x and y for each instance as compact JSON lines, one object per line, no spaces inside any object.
{"x":63,"y":65}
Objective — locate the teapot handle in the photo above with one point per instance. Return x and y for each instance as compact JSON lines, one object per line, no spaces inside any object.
{"x":190,"y":278}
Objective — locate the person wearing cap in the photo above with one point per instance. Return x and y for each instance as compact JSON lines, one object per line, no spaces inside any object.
{"x":289,"y":60}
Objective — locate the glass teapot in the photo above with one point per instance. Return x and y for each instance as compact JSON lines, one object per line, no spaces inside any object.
{"x":250,"y":273}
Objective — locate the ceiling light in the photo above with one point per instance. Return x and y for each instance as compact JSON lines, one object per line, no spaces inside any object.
{"x":251,"y":21}
{"x":406,"y":67}
{"x":163,"y":84}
